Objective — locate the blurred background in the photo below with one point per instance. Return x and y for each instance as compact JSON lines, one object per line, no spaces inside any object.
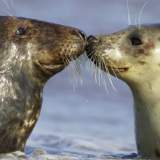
{"x":78,"y":115}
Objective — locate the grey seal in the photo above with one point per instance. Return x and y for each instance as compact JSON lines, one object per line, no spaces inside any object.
{"x":31,"y":51}
{"x":133,"y":55}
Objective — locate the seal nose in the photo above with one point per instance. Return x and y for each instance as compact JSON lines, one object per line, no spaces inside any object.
{"x":91,"y":39}
{"x":83,"y":35}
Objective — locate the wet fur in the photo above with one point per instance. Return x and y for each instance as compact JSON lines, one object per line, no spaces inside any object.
{"x":26,"y":63}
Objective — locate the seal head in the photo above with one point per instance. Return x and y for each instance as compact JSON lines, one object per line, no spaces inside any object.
{"x":128,"y":53}
{"x":50,"y":47}
{"x":31,"y":51}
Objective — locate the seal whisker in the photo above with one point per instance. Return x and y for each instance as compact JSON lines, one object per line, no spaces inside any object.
{"x":12,"y":4}
{"x":76,"y":67}
{"x":78,"y":70}
{"x":12,"y":7}
{"x":104,"y":77}
{"x":128,"y":13}
{"x":113,"y":69}
{"x":99,"y":73}
{"x":106,"y":68}
{"x":109,"y":77}
{"x":141,"y":12}
{"x":89,"y":64}
{"x":75,"y":70}
{"x":95,"y":70}
{"x":8,"y":8}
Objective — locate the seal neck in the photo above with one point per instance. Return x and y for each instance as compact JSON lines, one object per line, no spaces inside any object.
{"x":147,"y":117}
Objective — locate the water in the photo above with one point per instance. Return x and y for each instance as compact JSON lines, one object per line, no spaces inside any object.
{"x":85,"y":122}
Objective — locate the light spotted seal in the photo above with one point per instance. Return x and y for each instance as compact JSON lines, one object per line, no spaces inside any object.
{"x":31,"y":52}
{"x":133,"y":55}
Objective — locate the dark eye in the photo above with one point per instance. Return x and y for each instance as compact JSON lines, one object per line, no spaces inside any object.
{"x":136,"y":41}
{"x":21,"y":31}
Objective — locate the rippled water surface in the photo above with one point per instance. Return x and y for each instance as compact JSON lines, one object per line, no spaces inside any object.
{"x":83,"y":121}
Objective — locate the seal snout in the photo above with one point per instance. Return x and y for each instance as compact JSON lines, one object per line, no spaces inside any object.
{"x":82,"y":35}
{"x":91,"y":41}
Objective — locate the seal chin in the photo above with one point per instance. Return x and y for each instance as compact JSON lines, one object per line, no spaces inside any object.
{"x":50,"y":69}
{"x":108,"y":66}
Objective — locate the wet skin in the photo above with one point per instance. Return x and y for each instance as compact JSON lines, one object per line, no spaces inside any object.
{"x":31,"y":52}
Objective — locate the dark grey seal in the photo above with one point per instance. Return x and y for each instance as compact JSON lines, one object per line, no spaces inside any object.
{"x":31,"y":52}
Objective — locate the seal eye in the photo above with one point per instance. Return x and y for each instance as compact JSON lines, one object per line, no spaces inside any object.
{"x":21,"y":31}
{"x":135,"y":40}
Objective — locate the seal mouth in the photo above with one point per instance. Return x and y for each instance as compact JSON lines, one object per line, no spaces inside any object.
{"x":92,"y":44}
{"x":118,"y":69}
{"x":51,"y":67}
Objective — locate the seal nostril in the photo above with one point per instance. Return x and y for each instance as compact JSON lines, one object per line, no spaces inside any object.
{"x":91,"y":38}
{"x":83,"y":35}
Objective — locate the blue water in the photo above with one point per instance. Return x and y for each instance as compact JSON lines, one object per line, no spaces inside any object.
{"x":84,"y":120}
